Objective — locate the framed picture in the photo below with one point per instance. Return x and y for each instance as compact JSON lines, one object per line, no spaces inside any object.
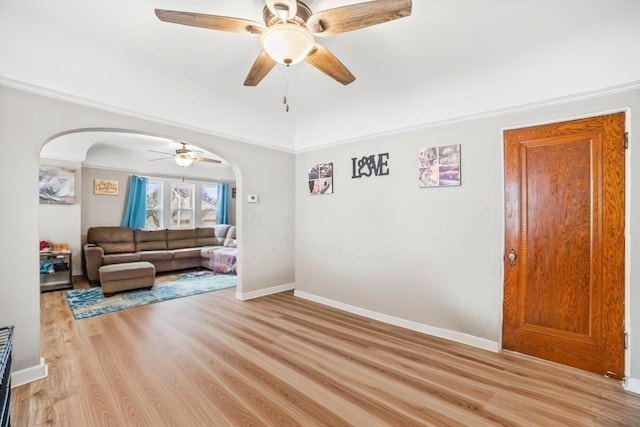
{"x":321,"y":179}
{"x":57,"y":185}
{"x":439,"y":166}
{"x":107,"y":187}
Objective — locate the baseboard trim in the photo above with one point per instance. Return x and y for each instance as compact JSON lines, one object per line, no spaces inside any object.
{"x":244,"y":296}
{"x":632,"y":385}
{"x":458,"y":337}
{"x":34,"y":373}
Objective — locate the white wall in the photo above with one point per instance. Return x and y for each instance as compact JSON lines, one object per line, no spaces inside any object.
{"x":433,"y":256}
{"x":27,"y":121}
{"x":99,"y":210}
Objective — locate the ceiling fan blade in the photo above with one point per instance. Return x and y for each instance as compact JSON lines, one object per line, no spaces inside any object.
{"x":325,"y":61}
{"x":212,"y":22}
{"x":160,"y":152}
{"x":161,"y":158}
{"x":357,"y":16}
{"x":260,"y":68}
{"x":206,"y":159}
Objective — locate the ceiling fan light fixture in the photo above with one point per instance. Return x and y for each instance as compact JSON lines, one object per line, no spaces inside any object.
{"x":184,"y":160}
{"x":287,"y":43}
{"x":283,"y":9}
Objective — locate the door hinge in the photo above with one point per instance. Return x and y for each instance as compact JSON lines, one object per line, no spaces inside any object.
{"x":626,"y":340}
{"x":626,"y":140}
{"x":610,"y":374}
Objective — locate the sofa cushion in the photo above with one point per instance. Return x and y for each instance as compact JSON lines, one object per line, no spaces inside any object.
{"x":205,"y":251}
{"x":112,"y":240}
{"x":230,"y":239}
{"x":221,"y":232}
{"x":185,"y":253}
{"x":206,"y":236}
{"x":108,"y":259}
{"x":156,"y":256}
{"x":177,"y":239}
{"x":151,"y":240}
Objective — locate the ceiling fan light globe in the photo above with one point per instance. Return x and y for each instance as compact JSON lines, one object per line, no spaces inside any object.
{"x":183,"y":160}
{"x":287,"y":43}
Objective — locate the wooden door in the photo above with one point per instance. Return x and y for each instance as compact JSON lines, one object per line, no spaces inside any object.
{"x":564,"y":254}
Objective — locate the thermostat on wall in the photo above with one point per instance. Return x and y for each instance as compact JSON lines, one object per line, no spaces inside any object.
{"x":252,"y":198}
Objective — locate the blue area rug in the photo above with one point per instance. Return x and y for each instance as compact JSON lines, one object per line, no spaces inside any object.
{"x":90,"y":302}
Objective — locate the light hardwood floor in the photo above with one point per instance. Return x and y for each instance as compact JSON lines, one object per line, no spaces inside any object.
{"x":211,"y":360}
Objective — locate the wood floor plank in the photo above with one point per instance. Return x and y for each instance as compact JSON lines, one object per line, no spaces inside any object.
{"x":212,"y":360}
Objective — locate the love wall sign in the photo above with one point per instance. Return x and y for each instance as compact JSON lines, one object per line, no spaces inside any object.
{"x":372,"y":165}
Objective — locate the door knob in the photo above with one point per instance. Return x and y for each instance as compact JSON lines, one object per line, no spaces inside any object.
{"x":512,"y":257}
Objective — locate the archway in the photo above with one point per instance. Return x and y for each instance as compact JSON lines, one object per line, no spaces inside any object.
{"x":109,"y":152}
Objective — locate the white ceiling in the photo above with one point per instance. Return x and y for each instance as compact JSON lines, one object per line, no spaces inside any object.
{"x":450,"y":58}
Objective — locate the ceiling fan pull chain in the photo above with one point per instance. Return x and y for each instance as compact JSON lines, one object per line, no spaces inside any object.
{"x":285,"y":101}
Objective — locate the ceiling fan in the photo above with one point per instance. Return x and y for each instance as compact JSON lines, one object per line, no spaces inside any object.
{"x":287,"y":36}
{"x":183,"y":156}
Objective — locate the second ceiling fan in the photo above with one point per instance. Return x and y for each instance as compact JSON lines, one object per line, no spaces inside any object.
{"x":287,"y":36}
{"x":184,"y":156}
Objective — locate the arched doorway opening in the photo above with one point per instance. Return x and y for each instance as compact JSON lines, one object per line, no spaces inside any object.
{"x":112,"y":155}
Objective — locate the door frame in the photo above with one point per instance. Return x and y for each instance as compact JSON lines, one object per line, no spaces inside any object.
{"x":627,"y":218}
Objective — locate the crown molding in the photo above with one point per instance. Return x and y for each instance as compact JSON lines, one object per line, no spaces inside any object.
{"x":626,"y":87}
{"x":62,"y":96}
{"x":39,"y":90}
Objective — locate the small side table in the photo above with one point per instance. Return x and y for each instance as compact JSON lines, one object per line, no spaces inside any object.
{"x":59,"y":275}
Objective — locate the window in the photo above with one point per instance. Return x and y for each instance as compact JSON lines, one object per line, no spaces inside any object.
{"x":154,"y":205}
{"x":209,"y":205}
{"x":182,"y":205}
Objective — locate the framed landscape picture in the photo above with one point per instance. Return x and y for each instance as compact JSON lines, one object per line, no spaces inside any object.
{"x":439,"y":166}
{"x":57,"y":185}
{"x":321,"y":179}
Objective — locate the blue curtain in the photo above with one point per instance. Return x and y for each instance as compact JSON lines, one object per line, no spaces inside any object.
{"x":223,"y":203}
{"x":135,"y":211}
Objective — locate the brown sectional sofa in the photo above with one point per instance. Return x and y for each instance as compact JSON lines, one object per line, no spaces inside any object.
{"x":167,"y":250}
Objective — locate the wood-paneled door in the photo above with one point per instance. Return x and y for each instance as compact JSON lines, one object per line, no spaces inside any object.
{"x":564,"y":243}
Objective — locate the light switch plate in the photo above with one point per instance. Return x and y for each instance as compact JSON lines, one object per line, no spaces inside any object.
{"x":252,"y":198}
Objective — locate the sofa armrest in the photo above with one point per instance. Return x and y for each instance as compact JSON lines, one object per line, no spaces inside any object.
{"x":93,"y":260}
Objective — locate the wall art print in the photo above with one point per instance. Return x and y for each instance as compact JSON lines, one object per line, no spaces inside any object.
{"x":321,"y":178}
{"x":439,"y":166}
{"x":106,"y":187}
{"x":57,"y":185}
{"x":371,"y":165}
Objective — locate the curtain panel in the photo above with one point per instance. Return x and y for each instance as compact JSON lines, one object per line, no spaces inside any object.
{"x":223,"y":203}
{"x":135,"y":211}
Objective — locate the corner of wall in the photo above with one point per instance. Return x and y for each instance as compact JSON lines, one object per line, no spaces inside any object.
{"x":632,"y":385}
{"x":33,"y":373}
{"x":244,"y":296}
